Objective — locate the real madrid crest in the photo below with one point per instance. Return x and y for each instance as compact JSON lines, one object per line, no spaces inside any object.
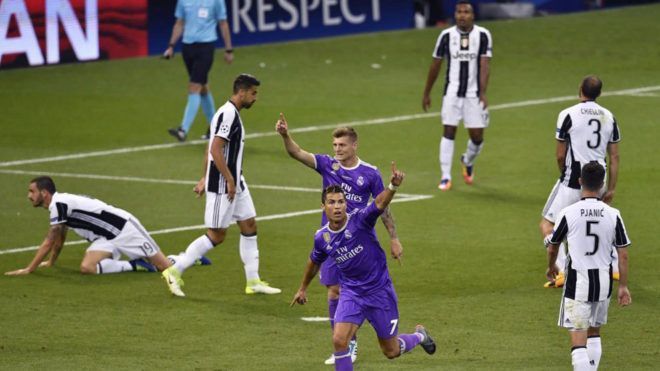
{"x":326,"y":236}
{"x":360,"y":180}
{"x":335,"y":166}
{"x":347,"y":234}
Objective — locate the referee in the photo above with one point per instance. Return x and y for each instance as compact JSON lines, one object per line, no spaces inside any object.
{"x":196,"y":20}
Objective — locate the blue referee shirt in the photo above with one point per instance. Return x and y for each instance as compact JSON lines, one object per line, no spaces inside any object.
{"x":200,"y":18}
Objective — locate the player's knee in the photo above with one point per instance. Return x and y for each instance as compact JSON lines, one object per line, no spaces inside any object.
{"x":340,"y":341}
{"x":215,"y":236}
{"x":87,"y":268}
{"x":391,"y":353}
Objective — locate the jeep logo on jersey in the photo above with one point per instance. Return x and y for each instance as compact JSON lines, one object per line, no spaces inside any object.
{"x":464,"y":56}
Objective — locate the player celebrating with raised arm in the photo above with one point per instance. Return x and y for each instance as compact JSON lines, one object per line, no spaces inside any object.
{"x":227,"y":195}
{"x":468,"y":50}
{"x":361,"y":182}
{"x":585,"y":132}
{"x":349,"y":239}
{"x":111,"y":231}
{"x":593,"y":230}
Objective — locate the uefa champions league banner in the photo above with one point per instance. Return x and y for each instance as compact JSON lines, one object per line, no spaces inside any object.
{"x":47,"y":32}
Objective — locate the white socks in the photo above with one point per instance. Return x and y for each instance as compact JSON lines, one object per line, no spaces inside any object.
{"x":580,"y":359}
{"x":446,"y":156}
{"x":250,"y":256}
{"x":107,"y":266}
{"x":594,"y":350}
{"x":195,"y":250}
{"x":472,"y":151}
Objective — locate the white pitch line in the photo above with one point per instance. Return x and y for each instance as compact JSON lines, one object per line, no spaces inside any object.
{"x":161,"y":181}
{"x":377,"y":121}
{"x":407,"y":198}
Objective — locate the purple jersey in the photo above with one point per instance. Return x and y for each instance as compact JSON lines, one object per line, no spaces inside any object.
{"x":356,"y":251}
{"x":360,"y":182}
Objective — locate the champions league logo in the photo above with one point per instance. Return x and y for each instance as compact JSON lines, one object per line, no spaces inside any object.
{"x":360,"y":180}
{"x":326,"y":237}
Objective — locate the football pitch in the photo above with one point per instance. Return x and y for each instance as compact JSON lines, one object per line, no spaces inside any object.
{"x":473,"y":265}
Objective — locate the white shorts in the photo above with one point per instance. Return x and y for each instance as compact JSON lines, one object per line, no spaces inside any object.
{"x":133,"y":241}
{"x":560,"y":197}
{"x":470,"y":110}
{"x":580,"y":315}
{"x":220,"y":213}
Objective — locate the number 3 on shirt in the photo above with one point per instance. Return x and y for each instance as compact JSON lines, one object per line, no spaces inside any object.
{"x":394,"y":323}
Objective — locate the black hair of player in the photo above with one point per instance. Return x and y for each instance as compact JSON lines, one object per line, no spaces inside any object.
{"x":593,"y":176}
{"x":332,"y":189}
{"x":44,"y":182}
{"x":245,"y":81}
{"x":464,"y":2}
{"x":591,"y":87}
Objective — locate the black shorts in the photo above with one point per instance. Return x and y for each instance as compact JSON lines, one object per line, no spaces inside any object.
{"x":198,"y":58}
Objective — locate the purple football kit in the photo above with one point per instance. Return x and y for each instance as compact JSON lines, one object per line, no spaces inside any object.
{"x":360,"y":183}
{"x":366,"y":288}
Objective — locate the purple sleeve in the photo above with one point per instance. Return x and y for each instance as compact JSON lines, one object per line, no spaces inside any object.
{"x":369,"y":215}
{"x":376,"y":184}
{"x":318,"y":254}
{"x":323,"y":163}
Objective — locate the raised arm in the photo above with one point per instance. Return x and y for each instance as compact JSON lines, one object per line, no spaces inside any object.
{"x":385,"y":197}
{"x":310,"y":271}
{"x":613,"y":171}
{"x":292,"y":148}
{"x":177,"y":31}
{"x":434,"y":70}
{"x":226,"y":37}
{"x":54,"y":240}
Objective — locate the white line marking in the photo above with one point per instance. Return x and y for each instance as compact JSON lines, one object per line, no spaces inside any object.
{"x":406,"y":198}
{"x":315,"y":319}
{"x":161,"y":181}
{"x":377,"y":121}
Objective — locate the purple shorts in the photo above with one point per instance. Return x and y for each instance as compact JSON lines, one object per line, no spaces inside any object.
{"x":329,"y":274}
{"x":379,"y":308}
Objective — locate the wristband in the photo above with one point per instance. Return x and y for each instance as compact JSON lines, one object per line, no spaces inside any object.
{"x":229,"y":51}
{"x":392,"y":187}
{"x":170,"y":45}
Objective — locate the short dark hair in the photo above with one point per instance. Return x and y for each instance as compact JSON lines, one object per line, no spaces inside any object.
{"x":245,"y":81}
{"x":593,"y":176}
{"x":332,"y":189}
{"x":44,"y":182}
{"x":465,"y":2}
{"x":591,"y":87}
{"x":345,"y":131}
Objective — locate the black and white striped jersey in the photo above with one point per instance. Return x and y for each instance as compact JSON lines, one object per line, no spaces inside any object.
{"x":463,"y":52}
{"x":227,"y":124}
{"x":90,"y":218}
{"x":587,"y":128}
{"x":592,"y":229}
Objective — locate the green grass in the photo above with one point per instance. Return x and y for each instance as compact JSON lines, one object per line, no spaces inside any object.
{"x":473,"y":265}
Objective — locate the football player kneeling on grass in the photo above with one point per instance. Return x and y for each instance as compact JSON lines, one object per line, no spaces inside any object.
{"x":111,"y":231}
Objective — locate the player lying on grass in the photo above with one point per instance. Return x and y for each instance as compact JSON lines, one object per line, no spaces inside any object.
{"x":111,"y":231}
{"x":366,"y":288}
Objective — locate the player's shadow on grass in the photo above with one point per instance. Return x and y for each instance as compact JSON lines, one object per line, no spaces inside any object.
{"x":501,"y":195}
